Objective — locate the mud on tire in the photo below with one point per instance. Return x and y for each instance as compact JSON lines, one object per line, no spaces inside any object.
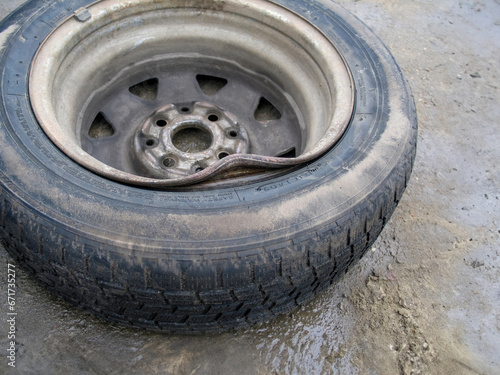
{"x":202,"y":259}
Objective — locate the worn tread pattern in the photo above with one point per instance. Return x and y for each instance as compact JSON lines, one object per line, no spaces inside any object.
{"x":328,"y":253}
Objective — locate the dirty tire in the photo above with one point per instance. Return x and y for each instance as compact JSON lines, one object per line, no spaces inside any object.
{"x":201,"y":260}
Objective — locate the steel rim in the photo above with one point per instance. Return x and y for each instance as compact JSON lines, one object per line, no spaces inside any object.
{"x":173,"y":93}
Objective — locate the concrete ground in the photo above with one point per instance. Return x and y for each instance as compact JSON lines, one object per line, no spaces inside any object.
{"x":425,"y":300}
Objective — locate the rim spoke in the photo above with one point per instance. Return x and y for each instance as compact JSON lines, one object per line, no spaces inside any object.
{"x":271,"y":137}
{"x":180,"y":87}
{"x":119,"y":117}
{"x":124,"y":111}
{"x":115,"y":149}
{"x":275,"y":137}
{"x":240,"y":99}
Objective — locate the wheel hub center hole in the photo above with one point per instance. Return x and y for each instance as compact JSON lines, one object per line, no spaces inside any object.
{"x":192,"y":139}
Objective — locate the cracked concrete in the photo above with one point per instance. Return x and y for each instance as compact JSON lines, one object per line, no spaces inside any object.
{"x":425,"y":299}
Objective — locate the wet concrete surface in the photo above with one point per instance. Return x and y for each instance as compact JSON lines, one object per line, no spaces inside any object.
{"x":425,"y":299}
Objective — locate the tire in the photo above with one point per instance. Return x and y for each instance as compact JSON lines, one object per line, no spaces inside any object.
{"x":202,"y":260}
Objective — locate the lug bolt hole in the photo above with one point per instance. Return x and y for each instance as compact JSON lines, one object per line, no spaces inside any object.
{"x":199,"y":169}
{"x":168,"y":162}
{"x":185,"y":109}
{"x":233,"y":133}
{"x":150,"y":142}
{"x":161,"y":123}
{"x":222,"y":154}
{"x":213,"y":118}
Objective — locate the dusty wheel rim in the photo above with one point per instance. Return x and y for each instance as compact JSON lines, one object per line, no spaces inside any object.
{"x":114,"y":85}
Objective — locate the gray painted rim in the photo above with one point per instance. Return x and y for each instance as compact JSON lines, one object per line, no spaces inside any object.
{"x":98,"y":49}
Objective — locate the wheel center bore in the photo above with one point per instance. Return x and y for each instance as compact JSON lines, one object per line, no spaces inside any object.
{"x":182,"y":139}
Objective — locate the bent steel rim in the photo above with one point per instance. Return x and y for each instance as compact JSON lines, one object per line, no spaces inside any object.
{"x":91,"y":69}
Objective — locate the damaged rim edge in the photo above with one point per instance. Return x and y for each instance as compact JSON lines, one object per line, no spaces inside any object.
{"x":71,"y":72}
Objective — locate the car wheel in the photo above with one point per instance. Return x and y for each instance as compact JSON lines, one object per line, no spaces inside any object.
{"x":192,"y":166}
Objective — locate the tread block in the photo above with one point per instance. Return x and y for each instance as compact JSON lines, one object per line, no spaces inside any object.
{"x":284,"y":306}
{"x":170,"y":318}
{"x":250,"y":292}
{"x":201,"y":277}
{"x":148,"y":296}
{"x":342,"y":256}
{"x":277,"y":288}
{"x":181,"y":298}
{"x":115,"y":316}
{"x":159,"y":308}
{"x":115,"y":291}
{"x":324,"y":270}
{"x":191,"y":309}
{"x":202,"y":319}
{"x":216,"y":297}
{"x":229,"y":316}
{"x":10,"y":216}
{"x":222,"y":308}
{"x":305,"y":295}
{"x":135,"y":314}
{"x":32,"y":242}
